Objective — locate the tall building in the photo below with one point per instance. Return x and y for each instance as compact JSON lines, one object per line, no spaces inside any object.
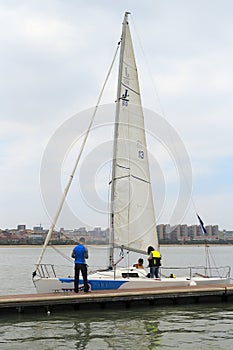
{"x":160,"y":231}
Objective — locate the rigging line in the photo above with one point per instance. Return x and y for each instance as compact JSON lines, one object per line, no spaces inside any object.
{"x":211,"y":259}
{"x":67,"y":237}
{"x":129,"y":249}
{"x":163,"y":112}
{"x":76,"y":163}
{"x":148,"y":68}
{"x":62,"y":254}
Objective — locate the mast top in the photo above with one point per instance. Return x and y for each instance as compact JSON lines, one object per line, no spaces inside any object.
{"x":126,"y":15}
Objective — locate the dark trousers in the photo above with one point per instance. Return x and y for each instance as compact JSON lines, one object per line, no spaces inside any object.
{"x":154,"y":271}
{"x":83,"y":269}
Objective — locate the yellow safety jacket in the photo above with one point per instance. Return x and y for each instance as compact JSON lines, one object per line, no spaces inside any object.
{"x":156,"y":258}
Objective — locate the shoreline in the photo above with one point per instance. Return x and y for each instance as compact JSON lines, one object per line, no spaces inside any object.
{"x":106,"y":246}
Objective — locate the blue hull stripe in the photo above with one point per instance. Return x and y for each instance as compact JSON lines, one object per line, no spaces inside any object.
{"x":97,"y":284}
{"x":66,"y":280}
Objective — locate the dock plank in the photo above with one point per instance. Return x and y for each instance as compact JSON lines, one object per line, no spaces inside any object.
{"x":190,"y":294}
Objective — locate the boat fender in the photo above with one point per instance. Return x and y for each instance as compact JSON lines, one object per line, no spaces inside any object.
{"x":192,"y":283}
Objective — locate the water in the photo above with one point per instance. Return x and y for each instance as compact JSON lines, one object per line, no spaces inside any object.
{"x":158,"y":327}
{"x":181,"y":327}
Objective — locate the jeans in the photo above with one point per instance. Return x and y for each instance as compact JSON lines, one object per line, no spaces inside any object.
{"x":154,"y":271}
{"x":83,"y":269}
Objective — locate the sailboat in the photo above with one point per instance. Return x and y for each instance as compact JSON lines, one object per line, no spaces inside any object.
{"x":132,"y":216}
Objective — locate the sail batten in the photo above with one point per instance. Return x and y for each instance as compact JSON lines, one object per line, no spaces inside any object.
{"x":132,"y":209}
{"x":136,"y":92}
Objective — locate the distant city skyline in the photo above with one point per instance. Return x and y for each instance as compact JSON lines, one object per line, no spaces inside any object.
{"x":181,"y":234}
{"x":168,"y":227}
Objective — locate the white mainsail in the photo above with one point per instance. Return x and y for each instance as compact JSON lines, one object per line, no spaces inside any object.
{"x":132,"y":211}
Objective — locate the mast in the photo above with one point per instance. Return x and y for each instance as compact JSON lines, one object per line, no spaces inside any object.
{"x":118,"y":101}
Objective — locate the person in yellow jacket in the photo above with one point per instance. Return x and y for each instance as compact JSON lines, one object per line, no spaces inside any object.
{"x":154,"y":258}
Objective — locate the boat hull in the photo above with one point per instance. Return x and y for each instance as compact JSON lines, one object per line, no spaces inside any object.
{"x":110,"y":280}
{"x":211,"y":280}
{"x":52,"y":285}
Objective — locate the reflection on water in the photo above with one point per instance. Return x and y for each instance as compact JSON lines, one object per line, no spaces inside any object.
{"x":182,"y":327}
{"x":82,"y":330}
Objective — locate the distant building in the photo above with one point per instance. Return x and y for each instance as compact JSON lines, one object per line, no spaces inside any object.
{"x":160,"y":231}
{"x":97,"y":232}
{"x":35,"y":239}
{"x":38,"y":228}
{"x":21,"y":227}
{"x":81,"y":231}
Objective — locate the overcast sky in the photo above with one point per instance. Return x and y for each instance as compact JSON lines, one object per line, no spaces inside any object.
{"x":54,"y":57}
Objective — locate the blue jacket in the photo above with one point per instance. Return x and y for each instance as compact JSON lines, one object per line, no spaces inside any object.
{"x":80,"y":253}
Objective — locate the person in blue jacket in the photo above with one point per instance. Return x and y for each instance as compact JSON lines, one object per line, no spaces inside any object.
{"x":80,"y":254}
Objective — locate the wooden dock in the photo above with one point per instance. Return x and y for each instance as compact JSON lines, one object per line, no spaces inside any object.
{"x":115,"y":298}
